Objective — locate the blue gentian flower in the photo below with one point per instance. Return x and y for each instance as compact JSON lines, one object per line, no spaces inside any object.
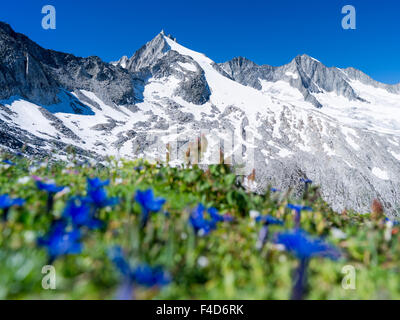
{"x":59,"y":242}
{"x":80,"y":214}
{"x":117,"y":257}
{"x":9,"y":162}
{"x":51,"y":190}
{"x":263,"y":235}
{"x":306,"y":182}
{"x":215,"y":216}
{"x":96,"y":183}
{"x":298,"y":209}
{"x":6,"y":202}
{"x":143,"y":275}
{"x":269,"y":220}
{"x":148,"y":276}
{"x":274,"y":190}
{"x":305,"y":247}
{"x":201,"y":225}
{"x":139,"y":168}
{"x":148,"y":203}
{"x":98,"y":197}
{"x":394,"y":222}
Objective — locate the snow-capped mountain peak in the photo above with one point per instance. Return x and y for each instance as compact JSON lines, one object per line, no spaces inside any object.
{"x":335,"y":126}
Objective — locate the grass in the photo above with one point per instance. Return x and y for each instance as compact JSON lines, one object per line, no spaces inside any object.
{"x":222,"y":265}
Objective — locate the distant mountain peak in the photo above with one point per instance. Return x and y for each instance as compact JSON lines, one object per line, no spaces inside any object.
{"x":243,"y":61}
{"x":305,"y":56}
{"x":6,"y":27}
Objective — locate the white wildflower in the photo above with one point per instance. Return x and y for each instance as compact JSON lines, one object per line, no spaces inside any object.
{"x":254,"y":214}
{"x":23,"y":180}
{"x":338,"y":234}
{"x":202,"y":262}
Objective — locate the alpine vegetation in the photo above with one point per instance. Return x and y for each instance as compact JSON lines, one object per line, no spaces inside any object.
{"x":151,"y":177}
{"x":203,"y":229}
{"x":6,"y":202}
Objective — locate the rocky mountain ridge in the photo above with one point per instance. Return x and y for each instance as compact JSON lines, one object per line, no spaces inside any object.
{"x":337,"y":127}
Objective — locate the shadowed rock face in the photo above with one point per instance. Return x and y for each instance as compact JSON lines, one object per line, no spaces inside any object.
{"x":50,"y":100}
{"x":156,"y":59}
{"x":37,"y":74}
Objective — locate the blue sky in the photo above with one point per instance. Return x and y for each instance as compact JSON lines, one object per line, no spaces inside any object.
{"x":265,"y":31}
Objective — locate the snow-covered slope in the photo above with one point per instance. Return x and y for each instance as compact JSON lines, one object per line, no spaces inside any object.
{"x":337,"y":127}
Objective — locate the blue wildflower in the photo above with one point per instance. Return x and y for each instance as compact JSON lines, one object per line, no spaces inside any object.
{"x":148,"y":203}
{"x":274,"y":190}
{"x":268,"y":220}
{"x":117,"y":257}
{"x":307,"y":183}
{"x":215,"y":216}
{"x":98,"y":197}
{"x":305,"y":247}
{"x":148,"y":276}
{"x":96,"y":183}
{"x":50,"y":188}
{"x":201,"y":225}
{"x":393,"y":222}
{"x":59,"y":242}
{"x":6,"y":202}
{"x":263,"y":235}
{"x":80,"y":214}
{"x":9,"y":162}
{"x":298,"y":209}
{"x":143,"y":275}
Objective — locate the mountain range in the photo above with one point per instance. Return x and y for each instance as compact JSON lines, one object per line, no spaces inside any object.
{"x":337,"y":127}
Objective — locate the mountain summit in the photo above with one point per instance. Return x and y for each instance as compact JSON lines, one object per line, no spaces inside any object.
{"x":337,"y":127}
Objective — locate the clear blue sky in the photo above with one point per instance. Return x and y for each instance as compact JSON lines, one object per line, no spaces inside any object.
{"x":265,"y":31}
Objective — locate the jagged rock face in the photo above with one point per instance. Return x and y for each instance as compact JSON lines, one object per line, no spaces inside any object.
{"x":148,"y":55}
{"x":337,"y":127}
{"x":192,"y":86}
{"x":156,"y":60}
{"x":29,"y":71}
{"x":20,"y":73}
{"x":304,"y":73}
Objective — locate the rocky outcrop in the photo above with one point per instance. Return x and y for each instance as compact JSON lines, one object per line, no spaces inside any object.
{"x":304,"y":73}
{"x":37,"y":74}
